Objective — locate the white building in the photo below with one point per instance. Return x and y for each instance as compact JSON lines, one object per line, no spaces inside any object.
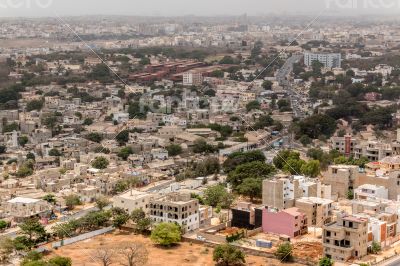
{"x":133,"y":200}
{"x":159,"y":154}
{"x":192,"y":78}
{"x":21,"y":208}
{"x":121,"y":117}
{"x":176,"y":208}
{"x":368,"y":191}
{"x":329,"y":60}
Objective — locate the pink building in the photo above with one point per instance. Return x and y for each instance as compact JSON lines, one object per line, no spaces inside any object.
{"x":290,"y":222}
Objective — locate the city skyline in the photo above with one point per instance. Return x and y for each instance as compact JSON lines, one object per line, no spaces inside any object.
{"x":51,"y":8}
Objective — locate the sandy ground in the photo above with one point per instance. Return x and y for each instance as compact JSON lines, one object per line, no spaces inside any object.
{"x":183,"y":254}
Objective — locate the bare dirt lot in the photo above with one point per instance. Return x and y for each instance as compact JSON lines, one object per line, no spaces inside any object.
{"x":183,"y":254}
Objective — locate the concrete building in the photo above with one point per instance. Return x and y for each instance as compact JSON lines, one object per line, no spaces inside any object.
{"x":176,"y":208}
{"x":341,"y":178}
{"x":329,"y":60}
{"x":371,"y":149}
{"x":346,"y":238}
{"x":282,"y":191}
{"x":133,"y":200}
{"x":388,"y":180}
{"x":368,"y":191}
{"x":317,"y":210}
{"x":290,"y":222}
{"x":192,"y":78}
{"x":21,"y":208}
{"x":245,"y":215}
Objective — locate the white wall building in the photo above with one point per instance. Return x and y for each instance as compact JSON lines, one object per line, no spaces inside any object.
{"x":368,"y":191}
{"x":329,"y":60}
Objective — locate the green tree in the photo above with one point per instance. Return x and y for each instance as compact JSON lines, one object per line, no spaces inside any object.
{"x":144,"y":61}
{"x":95,"y":219}
{"x":174,"y":149}
{"x":293,"y":166}
{"x":55,"y":152}
{"x":125,"y":152}
{"x":102,"y":202}
{"x":33,"y":229}
{"x":50,"y":198}
{"x":34,"y":105}
{"x":305,"y":140}
{"x":217,"y":195}
{"x":60,"y":261}
{"x":30,"y":156}
{"x":3,"y":149}
{"x":143,"y":225}
{"x":311,"y":168}
{"x":63,"y":230}
{"x":227,"y":60}
{"x":201,"y":146}
{"x":166,"y":234}
{"x":100,"y":163}
{"x":72,"y":200}
{"x":137,"y":215}
{"x":253,"y":105}
{"x":256,"y":170}
{"x":123,"y":137}
{"x":3,"y":225}
{"x":283,"y":156}
{"x":95,"y":137}
{"x":284,"y":252}
{"x":120,"y":219}
{"x":376,"y":247}
{"x":23,"y":140}
{"x":263,"y":122}
{"x":87,"y":121}
{"x":250,"y":187}
{"x":237,"y":158}
{"x":267,"y":85}
{"x":325,"y":261}
{"x":228,"y":255}
{"x":350,"y":194}
{"x":26,"y":169}
{"x":78,"y":114}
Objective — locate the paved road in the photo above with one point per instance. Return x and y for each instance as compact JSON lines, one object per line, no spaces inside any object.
{"x":283,"y":77}
{"x":392,"y":262}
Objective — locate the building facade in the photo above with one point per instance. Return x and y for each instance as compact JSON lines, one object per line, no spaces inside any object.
{"x":329,"y":60}
{"x":346,"y":238}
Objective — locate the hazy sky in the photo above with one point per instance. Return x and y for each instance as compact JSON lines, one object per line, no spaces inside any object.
{"x":38,"y":8}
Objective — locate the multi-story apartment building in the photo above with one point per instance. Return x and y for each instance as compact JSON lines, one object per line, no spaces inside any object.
{"x":317,"y":210}
{"x":290,"y":222}
{"x":389,"y":180}
{"x":346,"y":238}
{"x":192,"y":78}
{"x":371,"y":149}
{"x":341,"y":178}
{"x":368,"y":191}
{"x":176,"y":208}
{"x":282,"y":191}
{"x":329,"y":60}
{"x":134,"y":199}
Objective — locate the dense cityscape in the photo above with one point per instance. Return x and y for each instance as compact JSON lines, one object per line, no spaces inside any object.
{"x":200,"y":140}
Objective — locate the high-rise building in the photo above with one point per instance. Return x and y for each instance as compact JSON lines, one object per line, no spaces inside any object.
{"x":330,"y":60}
